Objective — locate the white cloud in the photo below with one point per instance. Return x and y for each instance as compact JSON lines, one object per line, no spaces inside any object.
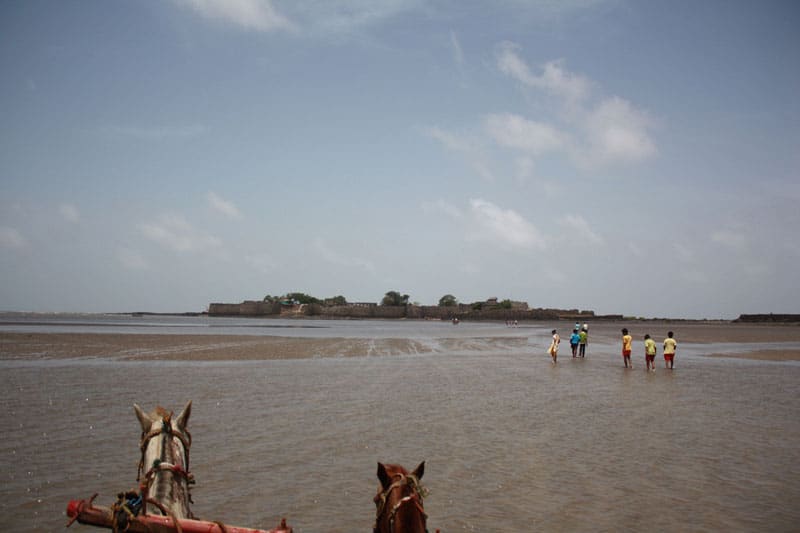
{"x":580,"y":229}
{"x":553,"y":78}
{"x":449,"y":140}
{"x":346,"y":16}
{"x":617,"y":131}
{"x":611,"y":131}
{"x":223,"y":206}
{"x":340,"y":259}
{"x":442,"y":207}
{"x":514,"y":131}
{"x":257,"y":15}
{"x":131,"y":259}
{"x":730,"y":239}
{"x":69,"y":212}
{"x":11,"y":238}
{"x":175,"y":233}
{"x":504,"y":226}
{"x":470,"y":151}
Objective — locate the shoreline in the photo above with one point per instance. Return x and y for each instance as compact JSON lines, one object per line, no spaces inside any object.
{"x":764,"y":319}
{"x":205,"y":347}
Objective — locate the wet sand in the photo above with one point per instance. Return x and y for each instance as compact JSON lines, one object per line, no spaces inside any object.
{"x":235,"y":347}
{"x":705,"y":333}
{"x":763,"y":355}
{"x":695,"y":332}
{"x":191,"y":347}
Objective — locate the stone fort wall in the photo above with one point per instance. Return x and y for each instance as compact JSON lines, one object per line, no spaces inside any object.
{"x":418,"y":312}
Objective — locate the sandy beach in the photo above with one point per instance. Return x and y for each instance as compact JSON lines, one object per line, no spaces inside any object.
{"x":244,"y":347}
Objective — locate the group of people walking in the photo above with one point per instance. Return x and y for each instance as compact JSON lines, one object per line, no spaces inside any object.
{"x":579,"y":339}
{"x":670,"y":345}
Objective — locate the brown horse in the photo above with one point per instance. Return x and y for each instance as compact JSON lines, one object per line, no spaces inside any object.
{"x":399,"y":500}
{"x":164,"y":467}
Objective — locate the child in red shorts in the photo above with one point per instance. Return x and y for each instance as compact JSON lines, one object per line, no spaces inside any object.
{"x":627,"y":340}
{"x":670,"y":346}
{"x":650,"y":353}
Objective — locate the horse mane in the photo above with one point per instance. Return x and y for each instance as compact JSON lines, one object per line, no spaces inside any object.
{"x":160,"y":412}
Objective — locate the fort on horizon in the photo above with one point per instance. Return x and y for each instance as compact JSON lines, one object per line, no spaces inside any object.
{"x":491,"y":309}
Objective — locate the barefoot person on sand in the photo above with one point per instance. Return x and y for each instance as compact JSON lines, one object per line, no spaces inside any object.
{"x":650,"y":353}
{"x":627,"y":341}
{"x":670,"y":345}
{"x":553,"y":350}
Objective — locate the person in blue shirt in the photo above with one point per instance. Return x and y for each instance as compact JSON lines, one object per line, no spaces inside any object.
{"x":574,"y":340}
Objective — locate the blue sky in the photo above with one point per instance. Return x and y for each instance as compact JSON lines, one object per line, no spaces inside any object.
{"x":626,"y":157}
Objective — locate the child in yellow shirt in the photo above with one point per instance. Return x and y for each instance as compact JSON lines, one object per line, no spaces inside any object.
{"x":670,"y":345}
{"x":650,"y":353}
{"x":627,"y":340}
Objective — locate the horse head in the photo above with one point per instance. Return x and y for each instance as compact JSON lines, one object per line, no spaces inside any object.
{"x":164,"y":467}
{"x":399,"y":500}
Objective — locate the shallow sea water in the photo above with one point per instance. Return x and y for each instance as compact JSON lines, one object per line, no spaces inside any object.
{"x":511,"y":442}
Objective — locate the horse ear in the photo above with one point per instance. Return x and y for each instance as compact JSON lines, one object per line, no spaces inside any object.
{"x":386,"y":481}
{"x":144,"y":420}
{"x":183,"y":418}
{"x":419,"y":471}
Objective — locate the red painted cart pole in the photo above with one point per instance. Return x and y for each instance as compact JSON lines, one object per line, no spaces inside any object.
{"x":85,"y":512}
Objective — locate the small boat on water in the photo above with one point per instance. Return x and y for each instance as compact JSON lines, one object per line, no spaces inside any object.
{"x":85,"y":512}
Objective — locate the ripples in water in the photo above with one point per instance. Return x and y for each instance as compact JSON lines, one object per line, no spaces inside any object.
{"x":511,"y":442}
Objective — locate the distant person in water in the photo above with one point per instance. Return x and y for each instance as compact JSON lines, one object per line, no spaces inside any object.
{"x":670,"y":345}
{"x":553,"y":350}
{"x":584,"y":338}
{"x":574,"y":340}
{"x":627,"y":342}
{"x":650,"y":353}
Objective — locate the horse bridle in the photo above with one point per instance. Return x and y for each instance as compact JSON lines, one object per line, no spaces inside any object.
{"x":418,"y":493}
{"x":159,"y":466}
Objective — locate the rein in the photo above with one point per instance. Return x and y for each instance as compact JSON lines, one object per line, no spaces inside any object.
{"x":159,"y":466}
{"x":166,"y":428}
{"x":418,"y":493}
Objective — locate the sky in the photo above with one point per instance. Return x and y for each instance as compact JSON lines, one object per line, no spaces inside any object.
{"x":626,"y":157}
